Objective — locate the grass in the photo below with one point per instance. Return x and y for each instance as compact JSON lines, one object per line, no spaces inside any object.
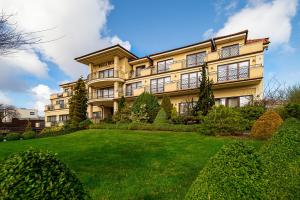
{"x":124,"y":164}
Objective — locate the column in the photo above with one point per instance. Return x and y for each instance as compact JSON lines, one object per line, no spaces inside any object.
{"x":90,"y":111}
{"x":116,"y":90}
{"x":115,"y":106}
{"x":116,"y":66}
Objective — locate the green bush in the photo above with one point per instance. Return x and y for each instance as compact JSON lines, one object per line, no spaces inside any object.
{"x":85,"y":124}
{"x":281,"y":162}
{"x":28,"y":135}
{"x":251,"y":113}
{"x":38,"y":175}
{"x":58,"y":130}
{"x":123,"y":115}
{"x":167,"y":106}
{"x":293,"y":94}
{"x":292,"y":110}
{"x":161,"y":117}
{"x":233,"y":173}
{"x":1,"y":138}
{"x":12,"y":136}
{"x":109,"y":126}
{"x":145,"y":107}
{"x":223,"y":120}
{"x":28,"y":126}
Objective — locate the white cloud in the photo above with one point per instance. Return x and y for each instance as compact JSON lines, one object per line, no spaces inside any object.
{"x":4,"y":99}
{"x":264,"y":19}
{"x":208,"y":34}
{"x":41,"y":94}
{"x":78,"y":25}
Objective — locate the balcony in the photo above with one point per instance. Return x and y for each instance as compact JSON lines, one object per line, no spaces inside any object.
{"x":49,"y":107}
{"x":97,"y":79}
{"x":97,"y":97}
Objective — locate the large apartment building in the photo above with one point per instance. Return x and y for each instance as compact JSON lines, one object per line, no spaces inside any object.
{"x":233,"y":62}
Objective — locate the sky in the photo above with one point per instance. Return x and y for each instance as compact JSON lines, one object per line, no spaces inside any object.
{"x":77,"y":27}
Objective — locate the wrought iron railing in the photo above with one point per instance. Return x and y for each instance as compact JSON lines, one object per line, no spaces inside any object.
{"x":96,"y":95}
{"x":188,"y":83}
{"x":229,"y":51}
{"x":99,"y":75}
{"x":233,"y":74}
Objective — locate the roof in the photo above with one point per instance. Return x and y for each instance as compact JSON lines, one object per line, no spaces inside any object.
{"x":264,"y":40}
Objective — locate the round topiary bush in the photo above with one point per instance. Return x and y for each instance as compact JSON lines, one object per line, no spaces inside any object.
{"x":38,"y":175}
{"x":28,"y":135}
{"x":266,"y":125}
{"x":12,"y":136}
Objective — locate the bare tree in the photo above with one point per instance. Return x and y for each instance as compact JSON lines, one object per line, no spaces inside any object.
{"x":7,"y":111}
{"x":12,"y":39}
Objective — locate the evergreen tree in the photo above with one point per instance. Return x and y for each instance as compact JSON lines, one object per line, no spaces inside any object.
{"x":206,"y":97}
{"x":78,"y":103}
{"x":167,"y":105}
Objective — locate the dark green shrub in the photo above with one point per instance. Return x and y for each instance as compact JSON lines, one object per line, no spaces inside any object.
{"x":233,"y":173}
{"x":281,"y":161}
{"x":121,"y":103}
{"x":251,"y":113}
{"x":85,"y":124}
{"x":28,"y":135}
{"x":161,"y":117}
{"x":223,"y":120}
{"x":149,"y":103}
{"x":1,"y":138}
{"x":293,"y":94}
{"x":167,"y":106}
{"x":162,"y":127}
{"x":292,"y":110}
{"x":265,"y":126}
{"x":38,"y":175}
{"x":123,"y":116}
{"x":12,"y":136}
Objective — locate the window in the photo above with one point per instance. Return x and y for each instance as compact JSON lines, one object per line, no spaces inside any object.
{"x":105,"y":93}
{"x":230,"y":51}
{"x":60,"y":102}
{"x":186,"y":108}
{"x":233,"y":71}
{"x":51,"y":118}
{"x":32,"y":113}
{"x":108,"y":73}
{"x":158,"y":85}
{"x":138,"y":70}
{"x":63,"y":118}
{"x":131,"y":87}
{"x":195,"y":59}
{"x":165,"y":65}
{"x":97,"y":115}
{"x":190,"y":80}
{"x":234,"y":101}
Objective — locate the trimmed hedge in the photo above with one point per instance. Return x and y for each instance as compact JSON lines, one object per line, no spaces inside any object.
{"x":238,"y":171}
{"x":13,"y":136}
{"x":161,"y":117}
{"x":38,"y":175}
{"x":266,"y":125}
{"x":281,"y":162}
{"x":146,"y":126}
{"x":230,"y":174}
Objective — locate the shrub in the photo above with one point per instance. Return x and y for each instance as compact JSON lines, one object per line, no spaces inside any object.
{"x":38,"y":175}
{"x":281,"y":162}
{"x":161,"y":117}
{"x":292,"y":110}
{"x":109,"y":126}
{"x":293,"y":94}
{"x":121,"y":103}
{"x":28,"y":135}
{"x":146,"y":103}
{"x":12,"y":136}
{"x":123,"y":116}
{"x":142,"y":115}
{"x":1,"y":138}
{"x":167,"y":106}
{"x":52,"y":130}
{"x":223,"y":120}
{"x":231,"y":174}
{"x":266,"y":125}
{"x":159,"y":127}
{"x":251,"y":113}
{"x":85,"y":124}
{"x":28,"y":126}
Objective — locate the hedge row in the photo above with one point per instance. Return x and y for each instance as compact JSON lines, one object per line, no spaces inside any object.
{"x":146,"y":126}
{"x":237,"y":171}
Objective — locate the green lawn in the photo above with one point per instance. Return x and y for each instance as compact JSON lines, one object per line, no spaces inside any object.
{"x":123,"y":164}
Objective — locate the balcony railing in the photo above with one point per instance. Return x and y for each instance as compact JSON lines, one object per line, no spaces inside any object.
{"x":49,"y":107}
{"x":184,"y":84}
{"x":233,"y":74}
{"x":95,"y":95}
{"x":98,"y":75}
{"x":229,"y":51}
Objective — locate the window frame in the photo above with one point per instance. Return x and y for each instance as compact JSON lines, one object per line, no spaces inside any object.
{"x":107,"y":73}
{"x":139,"y":69}
{"x":100,"y":93}
{"x":158,"y":85}
{"x":165,"y":65}
{"x":194,"y":103}
{"x":198,"y":79}
{"x":237,"y":71}
{"x":230,"y":47}
{"x":130,"y":85}
{"x":196,"y":58}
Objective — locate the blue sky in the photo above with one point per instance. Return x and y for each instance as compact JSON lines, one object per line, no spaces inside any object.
{"x":144,"y":27}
